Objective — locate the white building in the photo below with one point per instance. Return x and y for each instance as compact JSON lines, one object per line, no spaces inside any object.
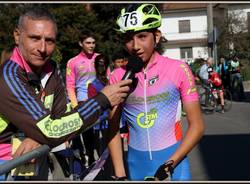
{"x":185,"y":26}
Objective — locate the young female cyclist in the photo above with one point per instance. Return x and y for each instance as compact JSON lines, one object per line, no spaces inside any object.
{"x":153,"y":109}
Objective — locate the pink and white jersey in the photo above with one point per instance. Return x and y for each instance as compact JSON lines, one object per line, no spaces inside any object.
{"x":153,"y":109}
{"x":80,"y":72}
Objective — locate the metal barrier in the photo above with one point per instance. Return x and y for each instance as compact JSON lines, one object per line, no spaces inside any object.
{"x":11,"y":164}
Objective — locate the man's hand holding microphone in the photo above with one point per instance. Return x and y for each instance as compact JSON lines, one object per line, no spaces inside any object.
{"x":118,"y":92}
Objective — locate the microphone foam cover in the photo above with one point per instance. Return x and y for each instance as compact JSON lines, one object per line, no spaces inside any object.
{"x":134,"y":64}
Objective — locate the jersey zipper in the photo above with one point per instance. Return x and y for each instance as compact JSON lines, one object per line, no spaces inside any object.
{"x":146,"y":113}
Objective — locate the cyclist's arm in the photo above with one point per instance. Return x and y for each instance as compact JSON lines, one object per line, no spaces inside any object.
{"x":191,"y":106}
{"x":194,"y":132}
{"x":114,"y":142}
{"x":70,"y":83}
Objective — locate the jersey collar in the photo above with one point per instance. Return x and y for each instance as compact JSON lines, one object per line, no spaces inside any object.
{"x":18,"y":58}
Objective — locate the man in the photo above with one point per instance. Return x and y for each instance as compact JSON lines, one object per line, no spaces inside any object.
{"x":203,"y":74}
{"x":222,"y":70}
{"x":33,"y":98}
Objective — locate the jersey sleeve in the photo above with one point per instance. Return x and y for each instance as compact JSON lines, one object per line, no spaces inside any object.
{"x":23,"y":108}
{"x":187,"y":85}
{"x":70,"y":82}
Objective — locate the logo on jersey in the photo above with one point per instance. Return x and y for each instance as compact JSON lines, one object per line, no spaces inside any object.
{"x":68,"y":71}
{"x":152,"y":81}
{"x":192,"y":87}
{"x":147,"y":121}
{"x":59,"y":128}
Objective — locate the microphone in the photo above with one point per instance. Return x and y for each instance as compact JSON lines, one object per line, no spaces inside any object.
{"x":133,"y":66}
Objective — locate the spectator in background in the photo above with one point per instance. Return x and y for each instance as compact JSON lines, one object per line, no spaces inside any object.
{"x":81,"y":72}
{"x":222,"y":70}
{"x":33,"y":97}
{"x":217,"y":85}
{"x":236,"y":80}
{"x":203,"y":73}
{"x":100,"y":131}
{"x":80,"y":69}
{"x":119,"y":59}
{"x":101,"y":65}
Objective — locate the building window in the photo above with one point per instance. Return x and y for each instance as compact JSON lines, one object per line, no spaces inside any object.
{"x":186,"y":52}
{"x":184,"y":26}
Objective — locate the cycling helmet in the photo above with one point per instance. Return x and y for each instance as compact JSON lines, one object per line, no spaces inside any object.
{"x":209,"y":69}
{"x":138,"y":17}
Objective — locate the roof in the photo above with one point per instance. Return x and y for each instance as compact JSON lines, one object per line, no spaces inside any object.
{"x":182,"y":6}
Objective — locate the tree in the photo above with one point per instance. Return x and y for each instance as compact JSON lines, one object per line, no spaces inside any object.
{"x":234,"y":38}
{"x":71,"y":19}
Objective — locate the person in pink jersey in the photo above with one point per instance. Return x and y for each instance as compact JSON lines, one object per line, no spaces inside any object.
{"x":156,"y":148}
{"x":80,"y":69}
{"x":81,"y":72}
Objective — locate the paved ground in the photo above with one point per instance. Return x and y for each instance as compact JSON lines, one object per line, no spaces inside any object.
{"x":224,"y":151}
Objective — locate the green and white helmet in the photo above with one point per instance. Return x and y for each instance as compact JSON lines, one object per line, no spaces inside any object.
{"x":138,"y":18}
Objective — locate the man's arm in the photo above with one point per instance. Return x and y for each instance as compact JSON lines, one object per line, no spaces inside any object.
{"x":114,"y":142}
{"x":24,"y":109}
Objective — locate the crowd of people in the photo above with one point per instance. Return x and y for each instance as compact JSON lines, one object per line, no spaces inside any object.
{"x":96,"y":106}
{"x":226,"y":74}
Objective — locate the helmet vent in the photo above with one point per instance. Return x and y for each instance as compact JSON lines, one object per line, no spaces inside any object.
{"x":149,"y":20}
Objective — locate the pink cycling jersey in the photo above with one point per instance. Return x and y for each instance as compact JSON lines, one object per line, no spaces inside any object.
{"x":153,"y":109}
{"x":80,"y":72}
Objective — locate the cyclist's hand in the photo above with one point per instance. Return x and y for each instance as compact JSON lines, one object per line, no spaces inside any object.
{"x":164,"y":172}
{"x":116,"y":178}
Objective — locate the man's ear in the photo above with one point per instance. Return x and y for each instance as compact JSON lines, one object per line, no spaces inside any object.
{"x":16,"y":34}
{"x":157,"y":36}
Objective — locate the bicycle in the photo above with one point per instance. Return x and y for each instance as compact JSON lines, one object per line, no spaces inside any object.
{"x":210,"y":100}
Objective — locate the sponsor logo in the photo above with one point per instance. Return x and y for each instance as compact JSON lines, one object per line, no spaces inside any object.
{"x":60,"y":127}
{"x":68,"y":71}
{"x":147,"y":121}
{"x":150,"y":99}
{"x":153,"y":80}
{"x":48,"y":101}
{"x":191,"y":83}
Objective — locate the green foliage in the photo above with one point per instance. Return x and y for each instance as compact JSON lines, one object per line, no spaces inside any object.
{"x":245,"y":72}
{"x":71,"y":20}
{"x":195,"y":66}
{"x":57,"y":56}
{"x":234,"y":39}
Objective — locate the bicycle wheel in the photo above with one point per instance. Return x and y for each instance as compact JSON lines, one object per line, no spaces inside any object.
{"x":208,"y":103}
{"x":227,"y":99}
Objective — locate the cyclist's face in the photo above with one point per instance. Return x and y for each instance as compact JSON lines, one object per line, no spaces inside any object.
{"x":36,"y":41}
{"x":88,"y":45}
{"x":142,"y":44}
